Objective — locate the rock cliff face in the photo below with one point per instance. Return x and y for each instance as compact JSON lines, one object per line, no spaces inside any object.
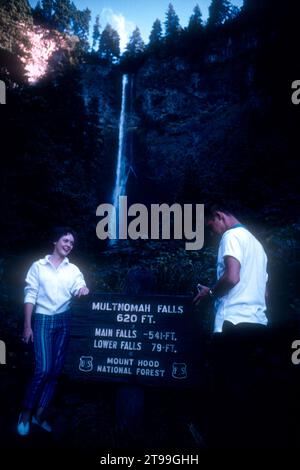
{"x":210,"y":126}
{"x":102,"y":83}
{"x":191,"y":122}
{"x":101,"y":93}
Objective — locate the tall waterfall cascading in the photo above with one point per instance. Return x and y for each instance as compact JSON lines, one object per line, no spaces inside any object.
{"x":121,"y":171}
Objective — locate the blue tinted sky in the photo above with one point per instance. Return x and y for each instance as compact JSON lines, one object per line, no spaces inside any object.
{"x":124,"y":15}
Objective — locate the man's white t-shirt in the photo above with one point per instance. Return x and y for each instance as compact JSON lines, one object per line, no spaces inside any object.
{"x":245,"y":302}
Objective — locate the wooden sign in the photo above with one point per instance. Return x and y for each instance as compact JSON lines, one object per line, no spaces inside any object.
{"x":139,"y":340}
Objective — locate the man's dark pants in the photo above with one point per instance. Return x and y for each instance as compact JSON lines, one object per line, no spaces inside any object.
{"x":240,"y":386}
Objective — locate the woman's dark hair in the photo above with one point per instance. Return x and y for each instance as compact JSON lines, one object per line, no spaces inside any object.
{"x":58,"y":232}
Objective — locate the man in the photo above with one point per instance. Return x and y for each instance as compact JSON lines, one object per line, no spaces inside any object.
{"x":240,"y":325}
{"x":240,"y":291}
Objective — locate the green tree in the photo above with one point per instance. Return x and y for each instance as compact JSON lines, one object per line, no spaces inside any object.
{"x":13,"y":37}
{"x":265,"y":6}
{"x":256,"y":5}
{"x":17,"y":9}
{"x":81,"y":23}
{"x":109,"y":44}
{"x":219,"y":12}
{"x":155,"y":37}
{"x":63,"y":12}
{"x":193,"y":39}
{"x":38,"y":13}
{"x":136,"y":44}
{"x":96,"y":32}
{"x":172,"y":25}
{"x":196,"y":23}
{"x":234,"y":11}
{"x":47,"y":6}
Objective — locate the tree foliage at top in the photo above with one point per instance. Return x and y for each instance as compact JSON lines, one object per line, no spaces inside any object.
{"x":15,"y":16}
{"x":37,"y":12}
{"x":81,"y":22}
{"x":17,"y":9}
{"x":219,"y":12}
{"x":172,"y":25}
{"x":65,"y":17}
{"x":62,"y":15}
{"x":136,"y":44}
{"x":193,"y":38}
{"x":254,"y":5}
{"x":47,"y":7}
{"x":196,"y":23}
{"x":109,"y":44}
{"x":156,"y":34}
{"x":96,"y":33}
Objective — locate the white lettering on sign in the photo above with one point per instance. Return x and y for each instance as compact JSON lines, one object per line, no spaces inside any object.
{"x":114,"y":369}
{"x":121,"y":307}
{"x":145,"y":363}
{"x":126,"y":333}
{"x":105,"y":344}
{"x":150,"y":372}
{"x":124,"y":361}
{"x":131,"y":346}
{"x":104,"y":332}
{"x":170,"y":308}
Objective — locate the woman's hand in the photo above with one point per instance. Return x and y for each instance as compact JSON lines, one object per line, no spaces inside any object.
{"x":27,"y":334}
{"x":82,"y":291}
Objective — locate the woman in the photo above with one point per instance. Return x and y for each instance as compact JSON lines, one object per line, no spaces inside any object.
{"x":50,"y":284}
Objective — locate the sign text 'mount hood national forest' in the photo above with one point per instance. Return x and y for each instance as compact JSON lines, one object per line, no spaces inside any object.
{"x":141,"y":340}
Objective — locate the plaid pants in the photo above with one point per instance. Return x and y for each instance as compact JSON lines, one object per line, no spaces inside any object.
{"x":51,"y":337}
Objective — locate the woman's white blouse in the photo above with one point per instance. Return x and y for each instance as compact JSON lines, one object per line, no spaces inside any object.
{"x":50,"y":289}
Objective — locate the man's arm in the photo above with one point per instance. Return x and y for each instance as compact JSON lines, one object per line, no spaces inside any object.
{"x":230,"y":278}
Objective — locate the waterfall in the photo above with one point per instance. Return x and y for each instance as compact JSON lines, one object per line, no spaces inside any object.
{"x":121,"y":171}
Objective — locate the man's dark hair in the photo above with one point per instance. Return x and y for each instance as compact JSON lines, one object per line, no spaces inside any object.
{"x":230,"y":208}
{"x":58,"y":232}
